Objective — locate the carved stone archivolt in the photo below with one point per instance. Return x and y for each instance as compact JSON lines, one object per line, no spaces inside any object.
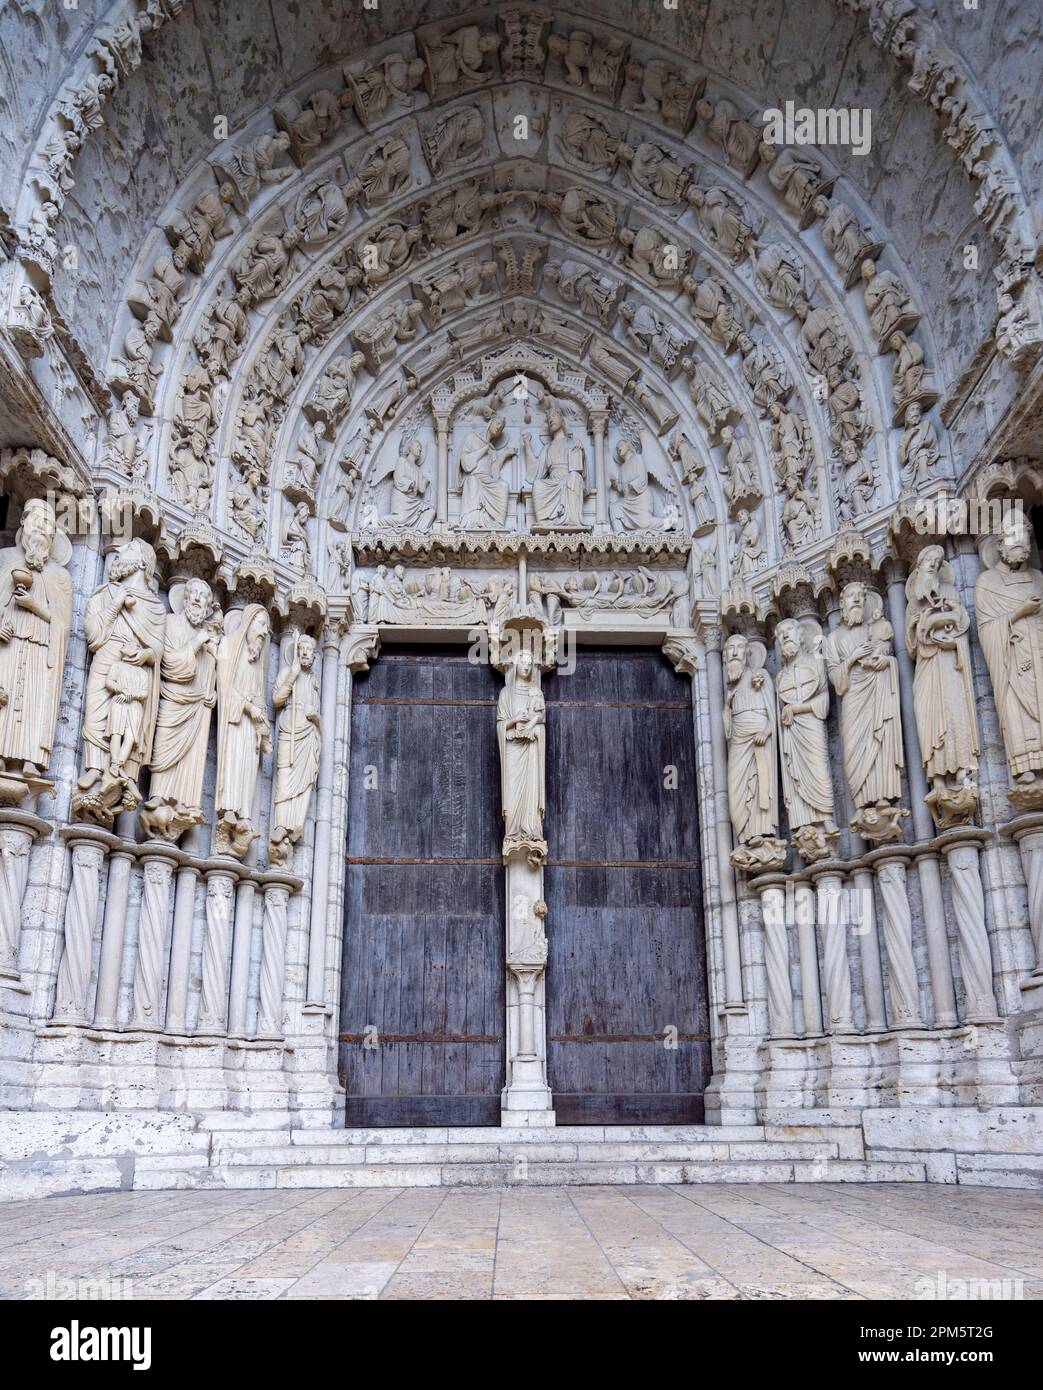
{"x":317,"y":222}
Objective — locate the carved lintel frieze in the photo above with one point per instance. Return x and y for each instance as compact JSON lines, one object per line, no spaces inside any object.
{"x":448,"y":547}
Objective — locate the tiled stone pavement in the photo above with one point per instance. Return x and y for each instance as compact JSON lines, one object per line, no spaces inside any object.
{"x":770,"y":1241}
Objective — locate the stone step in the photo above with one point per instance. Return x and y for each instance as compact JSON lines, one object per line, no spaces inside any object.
{"x":492,"y":1174}
{"x":560,"y":1134}
{"x":166,"y":1173}
{"x":510,"y":1151}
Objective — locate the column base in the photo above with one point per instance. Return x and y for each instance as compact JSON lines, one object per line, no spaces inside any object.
{"x":527,"y":1119}
{"x":527,"y":1102}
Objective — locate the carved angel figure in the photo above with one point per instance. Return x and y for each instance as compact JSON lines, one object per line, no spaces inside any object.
{"x":409,"y":508}
{"x":634,"y":511}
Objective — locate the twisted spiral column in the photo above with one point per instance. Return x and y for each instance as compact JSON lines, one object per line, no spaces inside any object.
{"x":1031,"y":847}
{"x":152,"y":942}
{"x":15,"y":844}
{"x":898,"y":943}
{"x":833,"y":926}
{"x":776,"y":961}
{"x":81,"y":911}
{"x":217,"y":948}
{"x":273,"y":961}
{"x":972,"y":937}
{"x":807,"y":951}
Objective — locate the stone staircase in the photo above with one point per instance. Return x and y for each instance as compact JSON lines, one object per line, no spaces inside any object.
{"x":565,"y":1155}
{"x":60,"y":1152}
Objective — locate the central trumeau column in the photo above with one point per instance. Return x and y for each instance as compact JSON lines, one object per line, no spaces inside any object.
{"x":520,"y":649}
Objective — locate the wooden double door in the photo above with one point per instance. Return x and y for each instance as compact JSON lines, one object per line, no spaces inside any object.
{"x":422,"y":1038}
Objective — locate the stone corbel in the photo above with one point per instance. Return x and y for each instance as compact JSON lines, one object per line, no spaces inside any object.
{"x":359,"y":646}
{"x":683,"y":652}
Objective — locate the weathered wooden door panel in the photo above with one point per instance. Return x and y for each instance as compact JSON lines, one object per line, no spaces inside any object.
{"x":422,"y":998}
{"x":627,"y":1017}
